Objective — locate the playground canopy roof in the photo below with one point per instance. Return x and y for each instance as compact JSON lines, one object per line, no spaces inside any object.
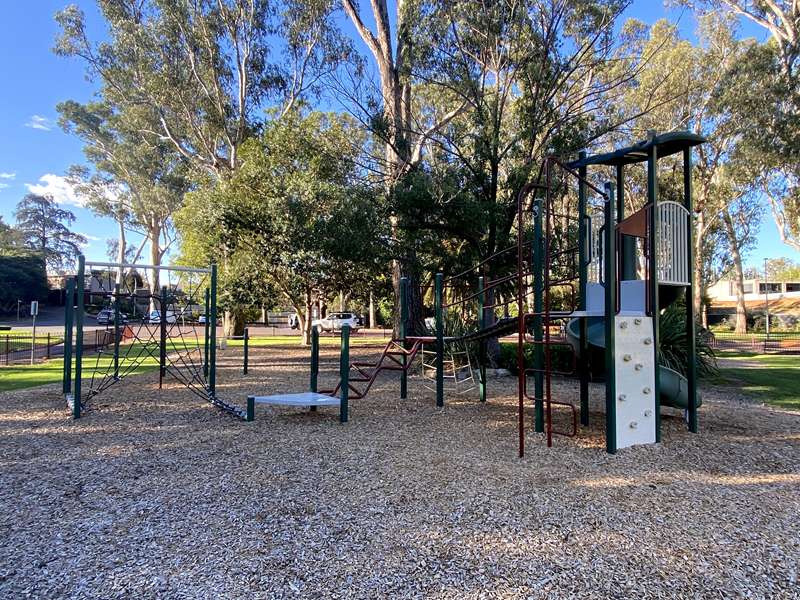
{"x":665,"y":144}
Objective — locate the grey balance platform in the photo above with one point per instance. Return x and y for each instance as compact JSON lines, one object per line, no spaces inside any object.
{"x":310,"y":399}
{"x":301,"y":399}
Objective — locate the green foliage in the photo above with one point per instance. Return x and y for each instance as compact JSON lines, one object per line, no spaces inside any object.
{"x":43,"y":227}
{"x":561,"y":358}
{"x":22,"y":277}
{"x":672,"y":343}
{"x":295,"y":218}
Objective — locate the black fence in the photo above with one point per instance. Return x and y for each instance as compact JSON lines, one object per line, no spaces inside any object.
{"x":780,"y":342}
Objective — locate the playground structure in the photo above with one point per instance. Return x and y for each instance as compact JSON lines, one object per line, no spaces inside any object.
{"x":627,"y":269}
{"x":183,"y":345}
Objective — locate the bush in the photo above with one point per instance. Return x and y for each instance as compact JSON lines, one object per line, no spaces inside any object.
{"x":561,"y":358}
{"x":21,"y":278}
{"x":672,"y":343}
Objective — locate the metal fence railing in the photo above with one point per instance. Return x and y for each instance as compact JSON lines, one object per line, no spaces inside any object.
{"x":780,"y":342}
{"x":18,"y":348}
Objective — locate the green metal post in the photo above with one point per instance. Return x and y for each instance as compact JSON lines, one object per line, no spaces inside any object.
{"x":212,"y":334}
{"x":205,"y":335}
{"x":69,"y":313}
{"x":80,"y":283}
{"x":344,"y":375}
{"x":163,"y":303}
{"x":250,"y":415}
{"x":610,"y":279}
{"x":116,"y":331}
{"x":538,"y":321}
{"x":691,"y":367}
{"x":438,"y":292}
{"x":402,"y":332}
{"x":314,"y":362}
{"x":584,"y":235}
{"x":246,"y":352}
{"x":652,"y":199}
{"x":482,"y":345}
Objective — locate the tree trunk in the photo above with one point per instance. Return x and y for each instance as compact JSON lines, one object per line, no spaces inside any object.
{"x":122,"y":241}
{"x":371,"y":311}
{"x":698,"y":263}
{"x":155,"y":259}
{"x":741,"y":307}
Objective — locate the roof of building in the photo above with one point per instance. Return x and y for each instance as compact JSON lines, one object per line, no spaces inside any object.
{"x":665,"y":144}
{"x":778,"y":305}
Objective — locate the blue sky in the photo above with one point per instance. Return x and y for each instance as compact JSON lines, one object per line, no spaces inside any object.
{"x":36,"y":153}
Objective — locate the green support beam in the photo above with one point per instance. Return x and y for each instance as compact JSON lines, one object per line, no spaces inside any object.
{"x":610,"y":278}
{"x":79,"y":290}
{"x":344,"y":375}
{"x":205,"y":334}
{"x":212,"y":334}
{"x":538,"y":321}
{"x":116,"y":331}
{"x":402,"y":333}
{"x":691,"y":334}
{"x":246,"y":358}
{"x":482,"y":345}
{"x":438,"y":293}
{"x":163,"y":304}
{"x":314,"y":362}
{"x":628,"y":250}
{"x":584,"y":259}
{"x":69,"y":314}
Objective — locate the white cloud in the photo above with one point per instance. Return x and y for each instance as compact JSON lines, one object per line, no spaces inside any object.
{"x":39,"y":122}
{"x":56,"y":186}
{"x":8,"y":175}
{"x":3,"y":186}
{"x":91,"y":238}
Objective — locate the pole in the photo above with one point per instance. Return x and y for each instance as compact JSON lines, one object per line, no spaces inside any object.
{"x":80,"y":283}
{"x":33,"y":341}
{"x":116,"y":331}
{"x":205,"y":335}
{"x":162,"y":355}
{"x":314,"y":362}
{"x":438,"y":291}
{"x":344,"y":374}
{"x":652,"y":198}
{"x":402,"y":332}
{"x":766,"y":299}
{"x":691,"y":334}
{"x":212,"y":334}
{"x":69,"y":312}
{"x":482,"y":346}
{"x":538,"y":329}
{"x":246,"y":344}
{"x":584,"y":253}
{"x":610,"y":279}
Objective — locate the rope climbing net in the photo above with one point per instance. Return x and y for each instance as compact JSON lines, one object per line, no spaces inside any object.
{"x":167,"y":322}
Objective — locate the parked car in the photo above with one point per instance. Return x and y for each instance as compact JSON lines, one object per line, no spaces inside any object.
{"x":203,"y":319}
{"x":106,"y":317}
{"x":155,"y":317}
{"x":335,"y":321}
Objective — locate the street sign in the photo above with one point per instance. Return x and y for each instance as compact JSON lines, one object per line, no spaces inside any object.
{"x":34,"y":308}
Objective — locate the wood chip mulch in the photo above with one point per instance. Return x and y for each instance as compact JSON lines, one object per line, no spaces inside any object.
{"x":155,"y":494}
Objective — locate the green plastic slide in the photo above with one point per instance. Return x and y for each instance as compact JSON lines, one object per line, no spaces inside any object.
{"x":673,"y":387}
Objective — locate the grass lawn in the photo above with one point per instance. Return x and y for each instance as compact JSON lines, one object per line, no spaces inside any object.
{"x":774,"y":380}
{"x":17,"y":377}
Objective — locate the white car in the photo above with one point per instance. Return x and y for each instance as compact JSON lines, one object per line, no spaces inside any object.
{"x":335,"y":321}
{"x":155,"y":317}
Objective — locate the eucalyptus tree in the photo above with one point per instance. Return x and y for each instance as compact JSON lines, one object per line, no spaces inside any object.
{"x":686,"y":86}
{"x":205,"y":68}
{"x":765,"y":90}
{"x":138,"y":181}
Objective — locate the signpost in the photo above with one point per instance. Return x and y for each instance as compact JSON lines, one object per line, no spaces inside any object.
{"x":34,"y":313}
